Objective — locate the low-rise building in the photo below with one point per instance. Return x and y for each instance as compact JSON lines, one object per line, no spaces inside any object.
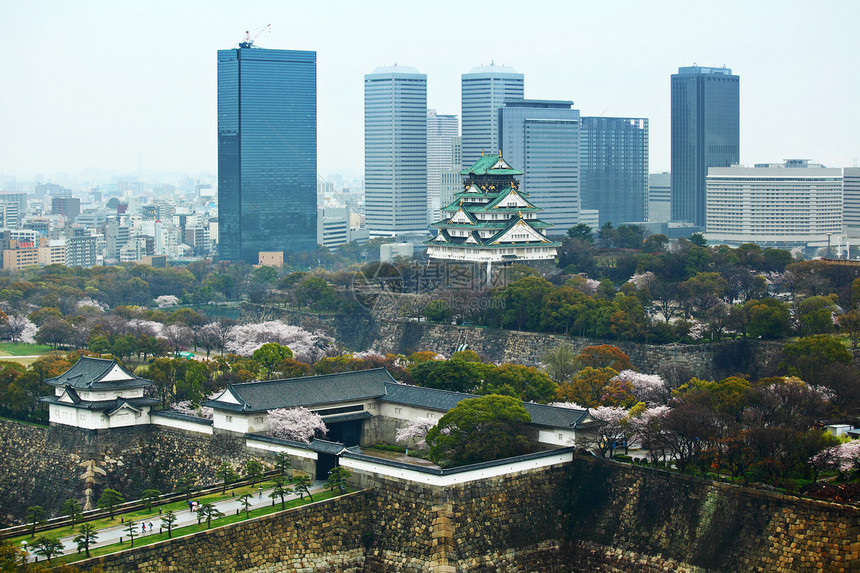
{"x":787,"y":205}
{"x":98,"y":394}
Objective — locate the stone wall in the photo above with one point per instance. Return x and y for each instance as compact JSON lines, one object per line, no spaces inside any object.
{"x":47,"y":466}
{"x":627,"y":518}
{"x":381,"y":330}
{"x":327,"y":536}
{"x":709,"y":360}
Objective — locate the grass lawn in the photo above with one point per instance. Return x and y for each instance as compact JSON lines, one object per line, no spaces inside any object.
{"x":191,"y":529}
{"x":21,"y":349}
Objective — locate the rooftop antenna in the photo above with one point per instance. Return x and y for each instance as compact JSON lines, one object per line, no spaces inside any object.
{"x":249,"y":39}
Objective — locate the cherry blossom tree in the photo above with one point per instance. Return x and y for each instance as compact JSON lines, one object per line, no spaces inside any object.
{"x":166,"y":301}
{"x":296,"y":424}
{"x":843,"y":458}
{"x":21,"y":329}
{"x":612,"y":432}
{"x":187,"y":407}
{"x":645,"y":428}
{"x":648,"y":388}
{"x":244,"y":339}
{"x":90,"y":302}
{"x":414,"y":432}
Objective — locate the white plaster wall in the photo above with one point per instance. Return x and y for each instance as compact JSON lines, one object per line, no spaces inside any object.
{"x":457,"y":478}
{"x":181,"y":424}
{"x":278,"y":448}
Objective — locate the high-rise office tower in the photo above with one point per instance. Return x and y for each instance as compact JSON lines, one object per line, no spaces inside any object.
{"x":483,"y":91}
{"x":267,"y":152}
{"x":613,"y":168}
{"x":441,"y":131}
{"x":705,"y":133}
{"x":851,"y":201}
{"x":543,"y":137}
{"x":395,"y":150}
{"x":659,"y":197}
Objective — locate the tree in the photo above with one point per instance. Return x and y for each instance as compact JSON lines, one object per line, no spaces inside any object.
{"x":149,"y":496}
{"x":524,"y":382}
{"x":284,"y":465}
{"x":54,"y":332}
{"x":581,"y":231}
{"x":72,"y":508}
{"x":480,"y":429}
{"x":456,"y":375}
{"x":109,"y":499}
{"x":253,"y":470}
{"x":766,"y":318}
{"x":35,"y":516}
{"x":588,"y":387}
{"x":131,"y":530}
{"x":48,"y":547}
{"x":301,"y":485}
{"x":612,"y":432}
{"x":226,"y":475}
{"x":168,"y":519}
{"x":698,"y":239}
{"x":245,"y":501}
{"x":337,"y":477}
{"x":280,"y":489}
{"x":296,"y":424}
{"x":648,"y":388}
{"x":271,"y":354}
{"x":87,"y":536}
{"x":415,"y":432}
{"x":185,"y":484}
{"x":809,"y":356}
{"x":814,"y":314}
{"x":603,"y":356}
{"x":561,"y":363}
{"x":208,"y":512}
{"x":849,"y":323}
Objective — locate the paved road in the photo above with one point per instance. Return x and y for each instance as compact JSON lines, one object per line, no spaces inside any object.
{"x":184,"y":517}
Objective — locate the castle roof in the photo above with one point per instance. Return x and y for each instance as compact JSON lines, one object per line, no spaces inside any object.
{"x":491,"y":165}
{"x":93,"y":374}
{"x":303,"y":391}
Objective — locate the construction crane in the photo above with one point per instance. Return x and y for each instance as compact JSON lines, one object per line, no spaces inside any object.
{"x":249,"y":39}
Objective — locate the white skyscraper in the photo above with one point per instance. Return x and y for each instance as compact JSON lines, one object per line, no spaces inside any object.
{"x":441,"y":132}
{"x":483,"y":91}
{"x":395,"y":150}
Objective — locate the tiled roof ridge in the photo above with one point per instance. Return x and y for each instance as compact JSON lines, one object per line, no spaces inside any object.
{"x":259,"y":382}
{"x":434,"y":389}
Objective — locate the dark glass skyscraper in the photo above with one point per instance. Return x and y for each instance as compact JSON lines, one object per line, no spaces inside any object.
{"x":705,"y":133}
{"x":543,"y":137}
{"x":613,"y":167}
{"x":267,"y":152}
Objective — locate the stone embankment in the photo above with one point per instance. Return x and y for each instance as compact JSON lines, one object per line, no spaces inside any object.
{"x":380,"y":330}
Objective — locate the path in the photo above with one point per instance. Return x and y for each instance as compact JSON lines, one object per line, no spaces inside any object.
{"x":115,"y":533}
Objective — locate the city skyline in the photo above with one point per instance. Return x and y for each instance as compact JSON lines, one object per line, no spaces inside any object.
{"x":101,"y":85}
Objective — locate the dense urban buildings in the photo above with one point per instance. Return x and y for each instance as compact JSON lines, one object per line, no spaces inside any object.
{"x":484,"y":90}
{"x":613,"y":168}
{"x":543,"y":136}
{"x":795,"y":204}
{"x":395,"y":150}
{"x":267,"y":152}
{"x":491,"y":220}
{"x":705,"y":132}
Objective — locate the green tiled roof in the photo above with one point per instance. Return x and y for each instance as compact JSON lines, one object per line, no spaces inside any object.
{"x":484,"y":166}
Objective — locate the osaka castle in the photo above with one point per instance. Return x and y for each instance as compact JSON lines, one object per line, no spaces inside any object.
{"x":491,"y":220}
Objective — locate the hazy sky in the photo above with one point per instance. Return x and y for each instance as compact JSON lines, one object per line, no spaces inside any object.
{"x":102,"y":84}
